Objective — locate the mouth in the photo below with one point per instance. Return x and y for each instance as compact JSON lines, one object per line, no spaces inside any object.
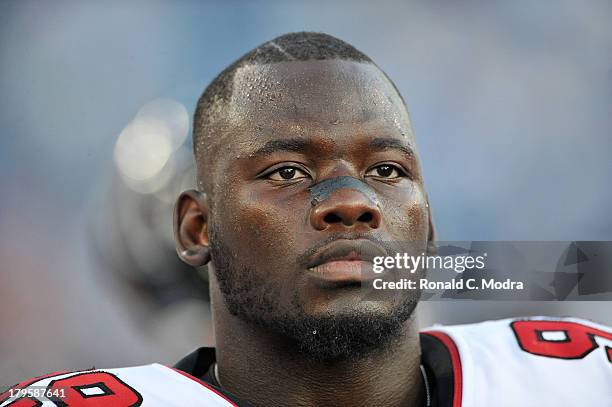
{"x":344,"y":262}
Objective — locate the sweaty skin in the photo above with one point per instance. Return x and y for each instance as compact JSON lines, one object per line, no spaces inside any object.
{"x":335,"y":132}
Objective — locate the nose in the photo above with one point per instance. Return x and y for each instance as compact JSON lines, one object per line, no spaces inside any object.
{"x":345,"y":208}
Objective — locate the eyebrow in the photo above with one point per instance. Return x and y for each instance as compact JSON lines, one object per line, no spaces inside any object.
{"x":292,"y":144}
{"x":300,"y":145}
{"x":391,"y":144}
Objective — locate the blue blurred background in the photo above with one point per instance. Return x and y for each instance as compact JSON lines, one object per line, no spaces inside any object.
{"x":510,"y":102}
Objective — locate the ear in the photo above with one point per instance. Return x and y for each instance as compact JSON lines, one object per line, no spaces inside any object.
{"x":431,"y":238}
{"x":191,"y":228}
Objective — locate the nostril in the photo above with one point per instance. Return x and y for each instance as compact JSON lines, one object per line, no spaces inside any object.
{"x":365,"y":218}
{"x":332,"y":218}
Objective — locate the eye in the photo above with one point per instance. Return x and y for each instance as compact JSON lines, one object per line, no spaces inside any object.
{"x":287,"y":174}
{"x":387,"y":171}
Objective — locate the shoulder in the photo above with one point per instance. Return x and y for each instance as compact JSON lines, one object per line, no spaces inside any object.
{"x":149,"y":385}
{"x":530,"y":361}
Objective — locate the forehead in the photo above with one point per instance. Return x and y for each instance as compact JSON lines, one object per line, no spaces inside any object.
{"x":314,"y":97}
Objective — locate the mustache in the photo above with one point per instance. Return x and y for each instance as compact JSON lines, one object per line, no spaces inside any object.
{"x":305,"y":259}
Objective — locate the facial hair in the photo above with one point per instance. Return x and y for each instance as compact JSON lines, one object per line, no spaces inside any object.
{"x":326,"y":338}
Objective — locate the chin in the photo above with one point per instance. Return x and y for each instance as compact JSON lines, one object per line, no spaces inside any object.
{"x":357,"y":306}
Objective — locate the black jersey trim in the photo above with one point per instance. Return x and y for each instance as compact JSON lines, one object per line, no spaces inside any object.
{"x":436,"y":360}
{"x":198,"y":363}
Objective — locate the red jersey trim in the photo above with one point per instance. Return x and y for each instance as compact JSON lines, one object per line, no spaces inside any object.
{"x":455,"y":361}
{"x":208,"y":387}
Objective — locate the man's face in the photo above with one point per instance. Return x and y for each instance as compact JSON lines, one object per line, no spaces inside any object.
{"x":316,"y":171}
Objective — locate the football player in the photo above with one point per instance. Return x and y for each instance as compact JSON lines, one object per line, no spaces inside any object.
{"x":307,"y":169}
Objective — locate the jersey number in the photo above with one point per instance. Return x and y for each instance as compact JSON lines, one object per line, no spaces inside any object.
{"x":559,"y":339}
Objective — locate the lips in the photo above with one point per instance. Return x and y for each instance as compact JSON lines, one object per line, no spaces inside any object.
{"x":344,"y":261}
{"x":346,"y":250}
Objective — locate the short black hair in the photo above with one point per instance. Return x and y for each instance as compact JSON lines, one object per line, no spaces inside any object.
{"x":298,"y":46}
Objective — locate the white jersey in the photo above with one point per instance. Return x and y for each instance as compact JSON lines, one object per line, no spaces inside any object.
{"x":530,"y":362}
{"x":524,"y":362}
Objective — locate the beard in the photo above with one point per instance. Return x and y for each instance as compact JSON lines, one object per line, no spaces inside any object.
{"x":325,"y":338}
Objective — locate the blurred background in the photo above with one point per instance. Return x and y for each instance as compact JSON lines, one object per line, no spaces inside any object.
{"x":511,"y":103}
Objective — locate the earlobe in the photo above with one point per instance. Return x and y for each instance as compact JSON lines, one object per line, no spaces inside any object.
{"x":195,"y":258}
{"x":191,"y":228}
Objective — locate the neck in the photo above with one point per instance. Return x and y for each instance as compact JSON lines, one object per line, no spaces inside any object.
{"x":261,"y":367}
